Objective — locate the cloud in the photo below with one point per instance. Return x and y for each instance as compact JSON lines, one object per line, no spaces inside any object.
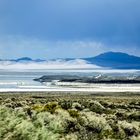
{"x":20,"y":46}
{"x":68,"y":28}
{"x":17,"y":46}
{"x":116,"y":22}
{"x":57,"y":64}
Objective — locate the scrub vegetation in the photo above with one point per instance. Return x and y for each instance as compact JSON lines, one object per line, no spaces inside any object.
{"x":45,"y":116}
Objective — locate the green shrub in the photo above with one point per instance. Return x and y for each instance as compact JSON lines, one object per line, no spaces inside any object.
{"x":74,"y":113}
{"x":51,"y":107}
{"x":37,"y":107}
{"x":96,"y":107}
{"x":134,"y":116}
{"x":130,"y":129}
{"x":77,"y":106}
{"x":66,"y":104}
{"x":121,"y":115}
{"x":93,"y":122}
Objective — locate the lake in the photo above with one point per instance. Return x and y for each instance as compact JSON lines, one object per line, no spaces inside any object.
{"x":23,"y":79}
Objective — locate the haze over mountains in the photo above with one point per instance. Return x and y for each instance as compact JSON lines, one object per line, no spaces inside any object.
{"x":114,"y":60}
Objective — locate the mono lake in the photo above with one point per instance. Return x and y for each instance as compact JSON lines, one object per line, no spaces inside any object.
{"x":22,"y":80}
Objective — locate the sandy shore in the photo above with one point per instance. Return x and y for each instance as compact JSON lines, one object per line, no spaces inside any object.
{"x":95,"y":89}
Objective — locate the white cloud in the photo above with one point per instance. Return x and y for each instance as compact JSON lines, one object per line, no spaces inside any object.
{"x":57,"y":64}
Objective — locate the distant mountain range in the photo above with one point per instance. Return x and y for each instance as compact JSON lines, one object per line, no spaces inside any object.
{"x":24,"y":59}
{"x":115,"y":60}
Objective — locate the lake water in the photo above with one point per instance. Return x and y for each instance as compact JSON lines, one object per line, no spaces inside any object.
{"x":23,"y":79}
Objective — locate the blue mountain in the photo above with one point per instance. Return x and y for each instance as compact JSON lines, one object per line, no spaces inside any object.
{"x":26,"y":59}
{"x":23,"y":59}
{"x":116,"y":60}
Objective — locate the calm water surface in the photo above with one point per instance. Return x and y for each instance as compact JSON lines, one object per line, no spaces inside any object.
{"x":24,"y":78}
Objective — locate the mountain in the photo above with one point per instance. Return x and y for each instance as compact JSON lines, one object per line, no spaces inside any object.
{"x":23,"y":59}
{"x":115,"y":60}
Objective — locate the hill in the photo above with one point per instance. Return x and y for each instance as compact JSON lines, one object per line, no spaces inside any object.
{"x":115,"y":60}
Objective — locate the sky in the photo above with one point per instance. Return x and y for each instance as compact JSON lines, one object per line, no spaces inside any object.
{"x":48,"y":29}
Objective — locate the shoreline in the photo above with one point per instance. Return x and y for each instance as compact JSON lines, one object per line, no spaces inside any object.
{"x":92,"y":90}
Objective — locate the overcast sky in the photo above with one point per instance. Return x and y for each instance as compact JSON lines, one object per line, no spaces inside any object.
{"x":68,"y":28}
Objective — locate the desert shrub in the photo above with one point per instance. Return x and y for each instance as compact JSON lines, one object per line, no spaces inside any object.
{"x":51,"y":107}
{"x":77,"y":106}
{"x":4,"y":112}
{"x":96,"y":107}
{"x":43,"y":125}
{"x":57,"y":122}
{"x":53,"y":123}
{"x":45,"y":134}
{"x":112,"y":106}
{"x":86,"y":110}
{"x":23,"y":103}
{"x":73,"y":113}
{"x":110,"y":117}
{"x":135,"y":138}
{"x":79,"y":118}
{"x":129,"y":128}
{"x":70,"y":136}
{"x":9,"y":105}
{"x":9,"y":120}
{"x":118,"y":106}
{"x":19,"y":112}
{"x":62,"y":113}
{"x":93,"y":122}
{"x":19,"y":104}
{"x":122,"y":106}
{"x":57,"y":125}
{"x":24,"y":130}
{"x":71,"y":124}
{"x":13,"y":99}
{"x":121,"y":115}
{"x":134,"y":116}
{"x":7,"y":100}
{"x":40,"y":119}
{"x":134,"y":103}
{"x":104,"y":103}
{"x":37,"y":107}
{"x":106,"y":134}
{"x":66,"y":104}
{"x":117,"y":132}
{"x":84,"y":103}
{"x":28,"y":111}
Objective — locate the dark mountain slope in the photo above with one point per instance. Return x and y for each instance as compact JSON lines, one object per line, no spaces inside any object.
{"x":116,"y":60}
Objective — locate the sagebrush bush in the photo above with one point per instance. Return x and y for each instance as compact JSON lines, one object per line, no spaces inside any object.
{"x":73,"y":113}
{"x":94,"y":122}
{"x":96,"y":107}
{"x":134,"y":116}
{"x":40,"y":118}
{"x":66,"y":104}
{"x":51,"y":107}
{"x":77,"y":106}
{"x":130,"y":129}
